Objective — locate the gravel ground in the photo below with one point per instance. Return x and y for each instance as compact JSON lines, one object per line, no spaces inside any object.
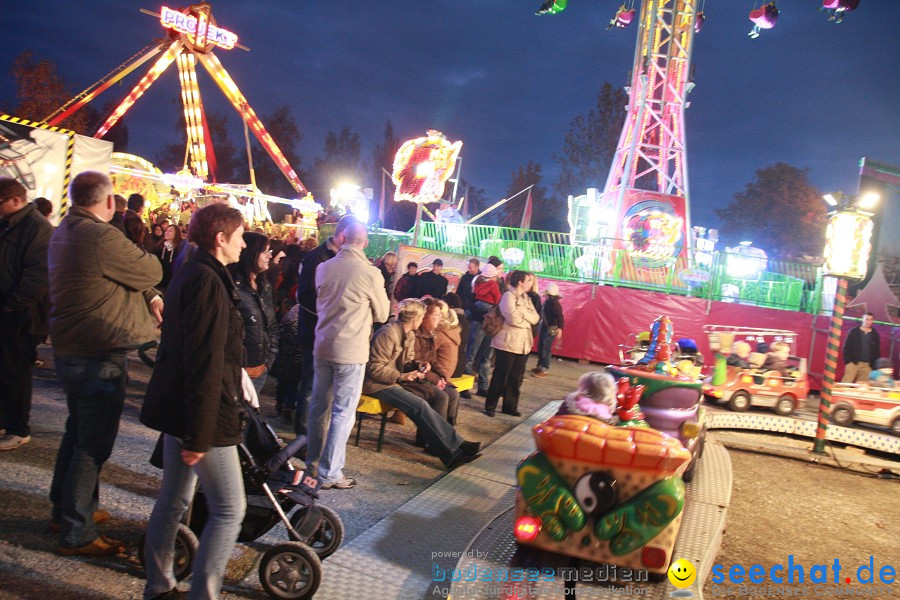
{"x":781,"y":507}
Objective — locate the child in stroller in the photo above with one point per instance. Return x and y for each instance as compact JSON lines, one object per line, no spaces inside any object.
{"x":277,"y":492}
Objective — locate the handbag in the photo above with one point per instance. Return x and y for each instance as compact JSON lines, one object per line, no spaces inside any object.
{"x":492,"y":322}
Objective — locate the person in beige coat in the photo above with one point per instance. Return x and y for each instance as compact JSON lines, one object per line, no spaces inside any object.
{"x":350,"y":297}
{"x":513,"y":343}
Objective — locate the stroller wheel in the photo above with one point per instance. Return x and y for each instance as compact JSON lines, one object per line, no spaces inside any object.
{"x":328,"y":537}
{"x":290,"y":570}
{"x":186,"y":545}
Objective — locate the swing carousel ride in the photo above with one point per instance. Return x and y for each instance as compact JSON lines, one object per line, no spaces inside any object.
{"x":192,"y":35}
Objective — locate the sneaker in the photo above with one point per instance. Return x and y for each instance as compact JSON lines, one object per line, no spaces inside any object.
{"x":12,"y":441}
{"x":397,"y":418}
{"x":512,"y":413}
{"x":481,"y":392}
{"x":466,"y":394}
{"x":100,"y":517}
{"x":539,"y":374}
{"x":341,"y":484}
{"x":99,"y":547}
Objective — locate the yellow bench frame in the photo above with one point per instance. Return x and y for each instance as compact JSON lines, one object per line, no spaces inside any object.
{"x":370,"y":407}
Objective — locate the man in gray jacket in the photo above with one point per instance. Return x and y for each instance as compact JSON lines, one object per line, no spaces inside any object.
{"x":350,"y":298}
{"x":101,"y":304}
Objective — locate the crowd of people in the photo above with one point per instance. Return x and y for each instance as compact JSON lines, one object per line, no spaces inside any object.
{"x":231,"y":308}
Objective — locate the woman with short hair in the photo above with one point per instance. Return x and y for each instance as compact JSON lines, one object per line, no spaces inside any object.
{"x":195,"y":397}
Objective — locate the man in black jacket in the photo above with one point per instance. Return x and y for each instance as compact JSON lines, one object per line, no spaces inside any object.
{"x":464,"y":289}
{"x":24,"y":239}
{"x":308,"y":318}
{"x":432,"y":283}
{"x":861,"y":349}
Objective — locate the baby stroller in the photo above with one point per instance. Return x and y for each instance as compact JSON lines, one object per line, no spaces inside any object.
{"x":277,"y":492}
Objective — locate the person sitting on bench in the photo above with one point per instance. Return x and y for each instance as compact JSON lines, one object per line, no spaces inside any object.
{"x":392,"y":362}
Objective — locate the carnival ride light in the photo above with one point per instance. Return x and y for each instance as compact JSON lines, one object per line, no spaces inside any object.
{"x":868,"y":200}
{"x":745,"y":262}
{"x":830,"y":199}
{"x":513,"y":256}
{"x":152,"y":75}
{"x":848,"y":244}
{"x":350,"y":194}
{"x":422,"y":166}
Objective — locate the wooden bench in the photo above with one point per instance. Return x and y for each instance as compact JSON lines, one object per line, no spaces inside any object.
{"x":370,"y":407}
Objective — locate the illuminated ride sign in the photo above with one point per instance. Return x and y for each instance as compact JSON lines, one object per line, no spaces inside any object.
{"x":197,"y":27}
{"x":422,"y":166}
{"x":653,"y":234}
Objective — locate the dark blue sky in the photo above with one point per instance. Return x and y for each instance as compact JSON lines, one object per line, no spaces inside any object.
{"x":508,"y":83}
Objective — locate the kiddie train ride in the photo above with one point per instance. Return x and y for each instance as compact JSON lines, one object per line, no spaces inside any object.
{"x":615,"y":494}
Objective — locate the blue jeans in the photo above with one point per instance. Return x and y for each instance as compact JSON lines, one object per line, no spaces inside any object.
{"x":440,"y":436}
{"x":95,"y":394}
{"x":545,"y":344}
{"x":331,"y":417}
{"x":478,"y":355}
{"x":219,"y":472}
{"x":260,"y":382}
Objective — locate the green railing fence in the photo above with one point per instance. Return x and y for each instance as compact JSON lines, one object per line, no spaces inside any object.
{"x":730,"y":277}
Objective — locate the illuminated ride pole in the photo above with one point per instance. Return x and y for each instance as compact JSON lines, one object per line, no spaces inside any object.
{"x":651,"y":154}
{"x":847,"y":249}
{"x":831,"y":356}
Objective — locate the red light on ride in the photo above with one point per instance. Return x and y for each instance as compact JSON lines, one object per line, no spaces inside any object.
{"x":527,"y":528}
{"x":654,"y":557}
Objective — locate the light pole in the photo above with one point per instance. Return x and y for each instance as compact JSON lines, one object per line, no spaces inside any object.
{"x":847,"y":249}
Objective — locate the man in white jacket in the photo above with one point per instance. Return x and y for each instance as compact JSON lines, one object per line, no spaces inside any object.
{"x":350,"y":298}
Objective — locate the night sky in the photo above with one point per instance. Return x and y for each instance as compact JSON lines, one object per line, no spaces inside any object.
{"x":508,"y":83}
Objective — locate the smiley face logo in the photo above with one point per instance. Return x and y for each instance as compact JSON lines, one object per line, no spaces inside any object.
{"x":682,"y":573}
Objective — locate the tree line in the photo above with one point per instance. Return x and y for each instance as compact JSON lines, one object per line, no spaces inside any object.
{"x":780,"y":210}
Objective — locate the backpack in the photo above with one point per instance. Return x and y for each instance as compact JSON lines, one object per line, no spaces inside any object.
{"x":492,"y":322}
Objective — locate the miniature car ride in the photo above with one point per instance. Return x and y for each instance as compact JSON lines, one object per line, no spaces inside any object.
{"x":749,"y":383}
{"x":853,"y":403}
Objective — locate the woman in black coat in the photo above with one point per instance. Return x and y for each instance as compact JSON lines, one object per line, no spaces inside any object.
{"x":257,"y":307}
{"x":195,"y":398}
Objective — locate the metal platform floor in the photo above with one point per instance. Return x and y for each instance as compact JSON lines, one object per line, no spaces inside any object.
{"x":412,"y":554}
{"x":803,"y":424}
